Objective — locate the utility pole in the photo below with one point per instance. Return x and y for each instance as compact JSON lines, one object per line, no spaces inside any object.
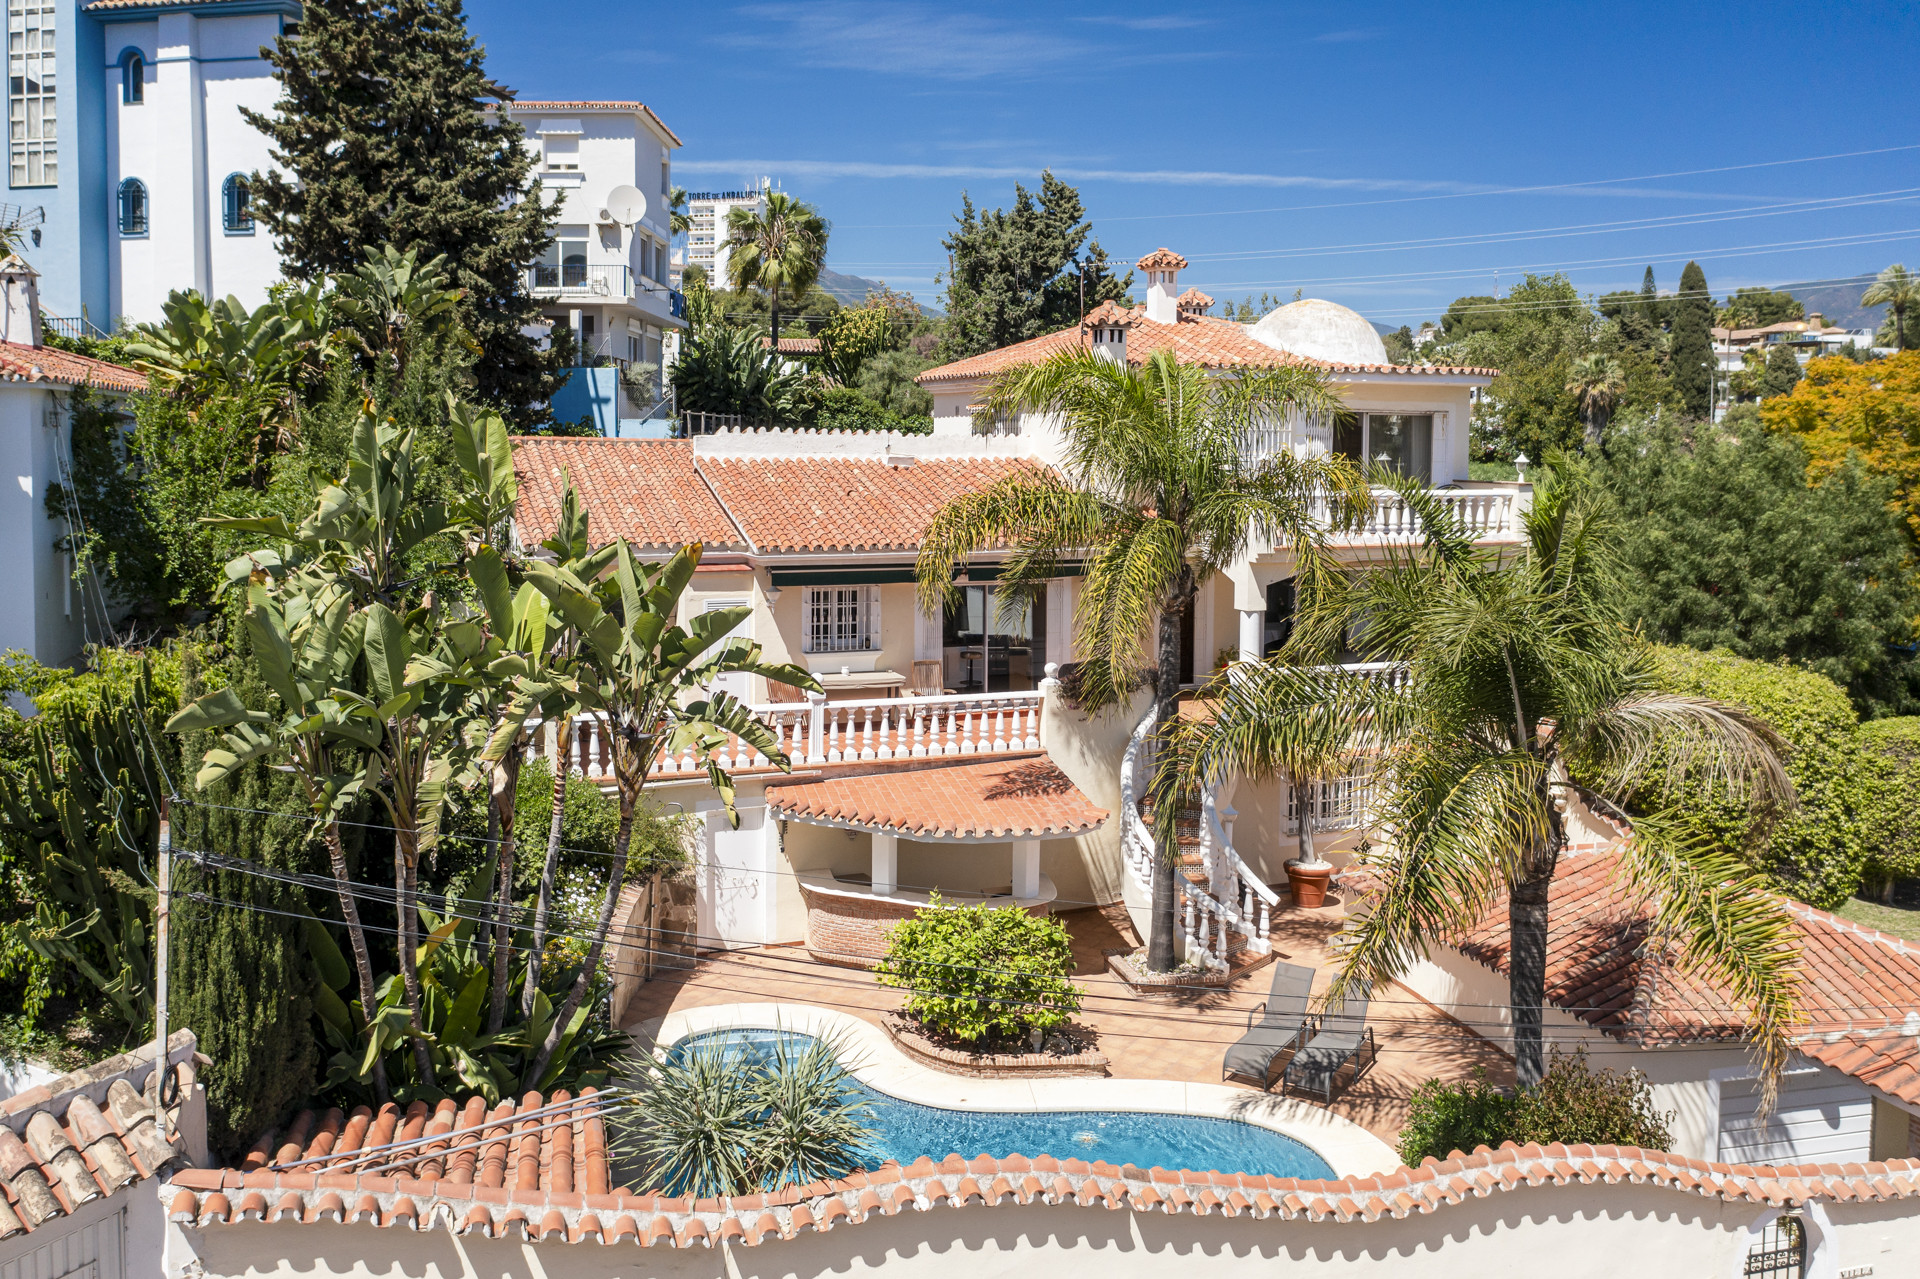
{"x":164,"y":882}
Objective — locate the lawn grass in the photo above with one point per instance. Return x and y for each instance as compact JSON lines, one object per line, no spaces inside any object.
{"x":1900,"y":921}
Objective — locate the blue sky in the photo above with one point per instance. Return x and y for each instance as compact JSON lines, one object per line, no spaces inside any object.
{"x":1390,"y":158}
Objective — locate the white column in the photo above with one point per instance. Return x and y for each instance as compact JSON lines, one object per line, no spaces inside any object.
{"x":176,"y":175}
{"x":886,"y":864}
{"x":1060,"y":604}
{"x":1253,"y":633}
{"x":1026,"y":868}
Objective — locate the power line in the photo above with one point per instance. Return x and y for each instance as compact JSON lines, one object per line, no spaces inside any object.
{"x":387,"y":895}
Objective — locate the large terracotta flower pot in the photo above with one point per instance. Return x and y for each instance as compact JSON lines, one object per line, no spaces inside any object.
{"x":1309,"y":883}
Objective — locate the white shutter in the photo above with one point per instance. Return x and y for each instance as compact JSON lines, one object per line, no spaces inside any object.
{"x":1821,"y":1117}
{"x":870,"y":617}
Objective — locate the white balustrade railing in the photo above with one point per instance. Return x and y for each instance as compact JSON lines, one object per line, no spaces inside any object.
{"x":1397,"y":676}
{"x":817,"y":731}
{"x":1136,"y":841}
{"x":1482,"y":513}
{"x":1244,"y":897}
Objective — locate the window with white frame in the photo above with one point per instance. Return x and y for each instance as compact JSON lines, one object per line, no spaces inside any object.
{"x":32,"y":125}
{"x":1401,"y":442}
{"x":841,"y":619}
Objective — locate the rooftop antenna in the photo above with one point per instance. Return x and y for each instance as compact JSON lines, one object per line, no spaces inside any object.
{"x":15,"y":218}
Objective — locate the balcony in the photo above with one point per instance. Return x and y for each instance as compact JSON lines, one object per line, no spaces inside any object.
{"x":1486,"y":514}
{"x":581,"y":280}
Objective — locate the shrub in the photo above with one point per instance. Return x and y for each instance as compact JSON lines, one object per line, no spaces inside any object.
{"x":727,"y":370}
{"x":976,"y":972}
{"x":1572,"y":1103}
{"x":1889,"y":823}
{"x":729,"y":1119}
{"x":843,"y":408}
{"x":1814,"y":853}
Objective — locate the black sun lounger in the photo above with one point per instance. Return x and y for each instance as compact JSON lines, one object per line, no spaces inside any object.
{"x":1341,"y":1038}
{"x":1283,"y":1024}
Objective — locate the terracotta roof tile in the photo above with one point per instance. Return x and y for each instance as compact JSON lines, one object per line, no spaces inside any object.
{"x":1023,"y":798}
{"x":636,"y":108}
{"x":1860,"y":989}
{"x":647,"y":491}
{"x":21,"y":363}
{"x":59,"y":1148}
{"x":1162,"y":259}
{"x":1209,"y":341}
{"x":841,"y":503}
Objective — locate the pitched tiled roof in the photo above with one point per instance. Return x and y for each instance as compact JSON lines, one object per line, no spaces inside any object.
{"x":796,"y":346}
{"x":1025,"y":798}
{"x":1860,"y":989}
{"x":844,"y":503}
{"x":553,"y":1198}
{"x":647,"y":491}
{"x":22,"y":363}
{"x":1194,"y":300}
{"x":1210,"y":341}
{"x":1162,"y":260}
{"x":83,"y":1136}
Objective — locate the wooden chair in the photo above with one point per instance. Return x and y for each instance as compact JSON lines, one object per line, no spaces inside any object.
{"x":778,"y":692}
{"x":928,"y":678}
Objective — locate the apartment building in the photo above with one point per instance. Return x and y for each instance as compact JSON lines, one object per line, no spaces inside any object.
{"x":707,"y":238}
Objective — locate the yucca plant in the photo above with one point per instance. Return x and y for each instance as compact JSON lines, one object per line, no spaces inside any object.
{"x":717,"y":1118}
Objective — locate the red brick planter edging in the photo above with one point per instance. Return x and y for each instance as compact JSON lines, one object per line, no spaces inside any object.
{"x":1178,"y":984}
{"x":910,"y":1039}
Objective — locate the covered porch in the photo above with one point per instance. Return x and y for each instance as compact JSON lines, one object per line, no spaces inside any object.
{"x":972,"y":833}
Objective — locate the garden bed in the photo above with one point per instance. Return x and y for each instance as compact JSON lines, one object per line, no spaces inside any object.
{"x":1065,"y":1052}
{"x":1130,"y":967}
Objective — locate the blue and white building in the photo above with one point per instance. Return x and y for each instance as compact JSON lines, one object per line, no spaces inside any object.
{"x":127,"y":152}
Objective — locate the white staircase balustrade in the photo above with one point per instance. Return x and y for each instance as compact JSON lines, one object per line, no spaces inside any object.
{"x":1136,"y":841}
{"x":1245,"y":900}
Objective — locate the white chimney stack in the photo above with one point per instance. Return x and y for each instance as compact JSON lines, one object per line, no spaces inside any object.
{"x":1162,"y":268}
{"x":1106,"y":328}
{"x":20,"y":322}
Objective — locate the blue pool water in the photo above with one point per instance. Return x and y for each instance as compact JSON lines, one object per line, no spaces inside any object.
{"x":906,"y":1130}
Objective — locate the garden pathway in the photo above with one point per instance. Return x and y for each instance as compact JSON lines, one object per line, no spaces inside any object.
{"x":1181,"y":1038}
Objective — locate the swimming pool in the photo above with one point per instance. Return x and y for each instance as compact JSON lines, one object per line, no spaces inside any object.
{"x":903,"y":1131}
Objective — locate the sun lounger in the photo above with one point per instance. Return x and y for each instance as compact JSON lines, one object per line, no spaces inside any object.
{"x":1341,"y":1037}
{"x":1283,"y":1024}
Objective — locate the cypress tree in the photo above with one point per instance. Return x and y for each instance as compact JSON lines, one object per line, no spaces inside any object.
{"x":243,"y":979}
{"x":382,"y":135}
{"x":1693,"y":342}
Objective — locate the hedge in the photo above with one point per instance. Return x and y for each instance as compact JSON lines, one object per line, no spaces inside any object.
{"x":1818,"y":852}
{"x":1889,"y":820}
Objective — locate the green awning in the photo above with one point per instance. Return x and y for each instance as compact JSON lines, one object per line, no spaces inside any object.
{"x":887,"y":574}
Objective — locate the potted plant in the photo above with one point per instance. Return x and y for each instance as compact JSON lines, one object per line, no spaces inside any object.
{"x":1307,"y":874}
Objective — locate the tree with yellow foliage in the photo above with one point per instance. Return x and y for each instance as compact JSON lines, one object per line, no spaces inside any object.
{"x":1872,"y":409}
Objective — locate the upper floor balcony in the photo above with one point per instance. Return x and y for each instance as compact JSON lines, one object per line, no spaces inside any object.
{"x":1485,"y":512}
{"x":600,"y":282}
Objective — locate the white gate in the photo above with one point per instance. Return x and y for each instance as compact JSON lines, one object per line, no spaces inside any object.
{"x":1821,"y":1117}
{"x":84,"y":1252}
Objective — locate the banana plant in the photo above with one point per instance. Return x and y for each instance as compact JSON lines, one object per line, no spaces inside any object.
{"x":306,"y":647}
{"x":419,"y":675}
{"x":648,"y":680}
{"x":393,"y":302}
{"x":536,"y":665}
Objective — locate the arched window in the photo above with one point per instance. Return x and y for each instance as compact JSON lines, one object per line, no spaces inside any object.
{"x":133,"y":207}
{"x":236,"y":208}
{"x":133,"y":77}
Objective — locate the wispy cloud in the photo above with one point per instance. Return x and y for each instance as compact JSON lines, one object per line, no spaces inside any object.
{"x":829,"y":169}
{"x":1164,"y":22}
{"x":1351,"y":36}
{"x":902,"y":39}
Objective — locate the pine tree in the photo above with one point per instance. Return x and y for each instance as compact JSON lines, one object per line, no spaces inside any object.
{"x":243,"y":979}
{"x":1783,"y":372}
{"x":1014,"y":274}
{"x":383,"y":135}
{"x":1693,"y":342}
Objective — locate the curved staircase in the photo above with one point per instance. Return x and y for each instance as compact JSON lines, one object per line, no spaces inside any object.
{"x":1223,"y":908}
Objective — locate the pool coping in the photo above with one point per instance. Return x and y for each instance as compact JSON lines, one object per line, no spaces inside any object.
{"x":1349,"y":1149}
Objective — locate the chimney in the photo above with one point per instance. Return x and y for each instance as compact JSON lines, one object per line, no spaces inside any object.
{"x":1106,"y":328}
{"x":20,"y":321}
{"x":1162,"y":267}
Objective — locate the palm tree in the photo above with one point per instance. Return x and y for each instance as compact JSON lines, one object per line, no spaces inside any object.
{"x":1525,"y":692}
{"x":780,"y":249}
{"x":1597,"y":381}
{"x":1163,"y":485}
{"x":679,"y":221}
{"x":1897,"y":291}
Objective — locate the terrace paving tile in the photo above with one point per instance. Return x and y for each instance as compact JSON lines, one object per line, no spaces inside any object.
{"x":1181,"y":1038}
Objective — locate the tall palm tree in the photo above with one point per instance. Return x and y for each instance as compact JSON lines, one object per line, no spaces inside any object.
{"x":781,"y":248}
{"x":1525,"y":692}
{"x":1164,"y":483}
{"x":679,"y":221}
{"x":1597,"y":380}
{"x":1899,"y":292}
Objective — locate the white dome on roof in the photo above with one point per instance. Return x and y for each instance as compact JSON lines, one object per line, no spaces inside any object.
{"x":1321,"y":331}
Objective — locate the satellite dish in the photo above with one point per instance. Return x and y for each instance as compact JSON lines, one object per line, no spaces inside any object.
{"x":627,"y":204}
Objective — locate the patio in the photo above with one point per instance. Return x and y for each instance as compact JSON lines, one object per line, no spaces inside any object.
{"x":1182,"y":1038}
